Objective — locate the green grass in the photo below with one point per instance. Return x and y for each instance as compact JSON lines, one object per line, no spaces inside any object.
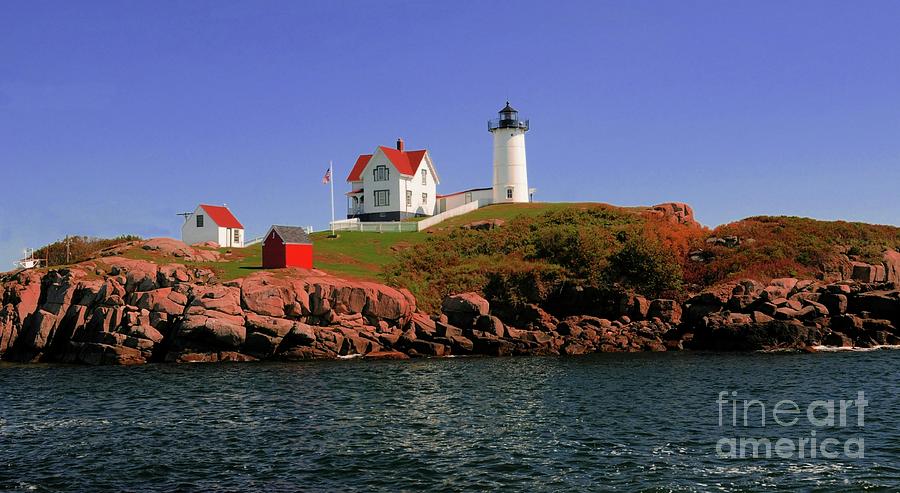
{"x":507,"y":212}
{"x":359,"y":255}
{"x":354,"y":255}
{"x":239,"y":262}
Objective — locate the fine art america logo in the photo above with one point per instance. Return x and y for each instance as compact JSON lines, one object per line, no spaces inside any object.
{"x":744,"y":417}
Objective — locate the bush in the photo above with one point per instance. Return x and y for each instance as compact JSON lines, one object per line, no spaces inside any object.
{"x":514,"y":284}
{"x":646,"y":267}
{"x":80,"y":248}
{"x":526,"y":259}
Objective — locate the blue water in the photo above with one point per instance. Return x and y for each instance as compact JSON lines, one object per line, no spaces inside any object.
{"x":602,"y":422}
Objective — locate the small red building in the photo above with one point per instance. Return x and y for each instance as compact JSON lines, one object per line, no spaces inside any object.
{"x":287,"y":246}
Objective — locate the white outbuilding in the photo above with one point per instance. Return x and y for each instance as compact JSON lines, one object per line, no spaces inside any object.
{"x":213,"y":223}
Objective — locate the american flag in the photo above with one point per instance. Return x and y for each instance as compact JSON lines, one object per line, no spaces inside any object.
{"x":327,"y":178}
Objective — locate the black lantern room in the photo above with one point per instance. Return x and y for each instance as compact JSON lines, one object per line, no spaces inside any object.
{"x":508,"y":115}
{"x":509,"y":118}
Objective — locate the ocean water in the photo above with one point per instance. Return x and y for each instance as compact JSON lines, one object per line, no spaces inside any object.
{"x":605,"y":422}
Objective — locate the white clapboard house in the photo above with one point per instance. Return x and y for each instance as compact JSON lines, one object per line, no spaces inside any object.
{"x":392,"y":185}
{"x":213,"y":223}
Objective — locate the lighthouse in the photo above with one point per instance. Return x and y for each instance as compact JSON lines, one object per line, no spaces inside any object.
{"x":510,"y":175}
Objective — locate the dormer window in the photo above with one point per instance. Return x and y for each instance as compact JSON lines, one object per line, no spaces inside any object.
{"x":382,"y":173}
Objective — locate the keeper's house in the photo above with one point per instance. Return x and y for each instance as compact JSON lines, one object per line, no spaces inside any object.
{"x":287,"y":246}
{"x":392,"y":185}
{"x":213,"y":223}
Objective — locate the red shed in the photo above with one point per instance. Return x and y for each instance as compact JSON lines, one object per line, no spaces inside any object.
{"x":287,"y":246}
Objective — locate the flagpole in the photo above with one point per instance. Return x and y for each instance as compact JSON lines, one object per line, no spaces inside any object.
{"x":331,"y":181}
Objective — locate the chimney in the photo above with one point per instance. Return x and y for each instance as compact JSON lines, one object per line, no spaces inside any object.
{"x":399,"y":144}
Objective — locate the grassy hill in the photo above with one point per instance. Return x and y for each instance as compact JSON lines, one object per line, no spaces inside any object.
{"x":540,"y":247}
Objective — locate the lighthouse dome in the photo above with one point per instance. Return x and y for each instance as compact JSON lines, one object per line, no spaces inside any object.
{"x":509,"y":118}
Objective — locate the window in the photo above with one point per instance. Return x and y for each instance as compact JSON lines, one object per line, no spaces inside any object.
{"x":237,"y":236}
{"x":424,"y":198}
{"x":382,"y":173}
{"x":199,"y":220}
{"x":409,"y":198}
{"x":468,"y":197}
{"x":509,"y":192}
{"x":424,"y":176}
{"x":382,"y":198}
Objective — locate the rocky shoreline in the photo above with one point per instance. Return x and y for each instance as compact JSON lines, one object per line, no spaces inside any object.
{"x":117,"y":310}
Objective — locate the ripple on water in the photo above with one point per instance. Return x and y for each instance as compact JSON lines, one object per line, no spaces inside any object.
{"x":613,"y":422}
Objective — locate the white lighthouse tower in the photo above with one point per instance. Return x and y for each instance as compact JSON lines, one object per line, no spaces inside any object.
{"x":510,"y":175}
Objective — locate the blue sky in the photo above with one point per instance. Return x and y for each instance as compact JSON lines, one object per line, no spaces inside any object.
{"x":115,"y":116}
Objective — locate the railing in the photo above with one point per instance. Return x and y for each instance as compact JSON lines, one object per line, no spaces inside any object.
{"x":375,"y":227}
{"x":252,"y":242}
{"x":456,"y":211}
{"x":354,"y":224}
{"x":498,"y":123}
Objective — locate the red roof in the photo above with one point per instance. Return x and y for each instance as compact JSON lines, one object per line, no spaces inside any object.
{"x":406,"y":162}
{"x":222,"y":216}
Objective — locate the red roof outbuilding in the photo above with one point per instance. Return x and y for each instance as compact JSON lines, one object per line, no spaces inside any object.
{"x":287,"y":246}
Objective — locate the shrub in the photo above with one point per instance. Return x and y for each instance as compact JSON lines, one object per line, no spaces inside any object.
{"x":645,"y":266}
{"x":80,"y":248}
{"x":514,"y":284}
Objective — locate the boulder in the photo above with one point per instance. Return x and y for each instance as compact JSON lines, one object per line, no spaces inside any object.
{"x":880,"y":304}
{"x":891,"y":262}
{"x":863,"y":272}
{"x":418,"y":347}
{"x":839,"y":288}
{"x":490,"y":325}
{"x":106,"y":354}
{"x":58,"y":290}
{"x":387,"y":303}
{"x":386,"y":354}
{"x":463,"y":309}
{"x":161,"y":300}
{"x":785,"y":283}
{"x":301,"y":335}
{"x":271,"y":326}
{"x":836,"y":303}
{"x":676,"y":212}
{"x":173,"y":248}
{"x":634,"y":306}
{"x":139,"y":275}
{"x":39,"y":333}
{"x":747,"y":287}
{"x":222,"y":299}
{"x":837,"y":339}
{"x":701,"y":305}
{"x":741,"y":302}
{"x":669,"y":311}
{"x":266,"y":295}
{"x":145,"y":332}
{"x":756,"y":336}
{"x":225,"y":334}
